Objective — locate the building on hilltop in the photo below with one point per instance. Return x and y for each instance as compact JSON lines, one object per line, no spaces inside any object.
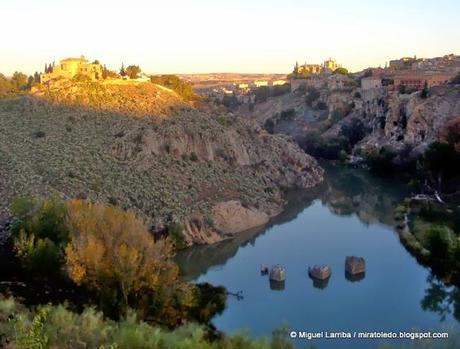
{"x":311,"y":68}
{"x":331,"y":65}
{"x":402,"y":63}
{"x":416,"y":80}
{"x":70,"y":67}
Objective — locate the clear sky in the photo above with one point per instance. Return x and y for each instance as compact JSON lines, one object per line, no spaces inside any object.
{"x":193,"y":36}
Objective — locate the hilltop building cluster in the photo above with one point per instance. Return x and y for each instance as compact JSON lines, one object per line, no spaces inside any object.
{"x":412,"y":73}
{"x":305,"y":70}
{"x":70,"y":67}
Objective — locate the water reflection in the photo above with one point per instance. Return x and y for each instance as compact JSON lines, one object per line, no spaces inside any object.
{"x":320,"y":284}
{"x":345,"y":192}
{"x":354,"y":277}
{"x":277,"y":285}
{"x":441,"y":299}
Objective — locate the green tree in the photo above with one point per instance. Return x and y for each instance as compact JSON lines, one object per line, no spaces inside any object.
{"x":341,"y":70}
{"x":122,"y":70}
{"x":133,"y":71}
{"x":39,"y":233}
{"x":37,"y":78}
{"x":19,"y":81}
{"x":108,"y":74}
{"x":181,"y":87}
{"x":296,"y":69}
{"x":6,"y":88}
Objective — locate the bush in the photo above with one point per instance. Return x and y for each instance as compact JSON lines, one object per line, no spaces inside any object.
{"x":381,"y":161}
{"x":193,"y":156}
{"x":81,"y":78}
{"x":321,"y":105}
{"x":39,"y":233}
{"x":312,"y":95}
{"x":442,"y":241}
{"x":58,"y":327}
{"x":342,"y":71}
{"x":176,"y":232}
{"x":287,"y":114}
{"x":181,"y":87}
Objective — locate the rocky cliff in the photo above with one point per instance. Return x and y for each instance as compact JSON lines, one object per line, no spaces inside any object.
{"x":385,"y":117}
{"x":213,"y":173}
{"x":397,"y":120}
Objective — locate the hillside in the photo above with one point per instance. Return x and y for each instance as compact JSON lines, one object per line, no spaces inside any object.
{"x":354,"y":121}
{"x":143,"y":147}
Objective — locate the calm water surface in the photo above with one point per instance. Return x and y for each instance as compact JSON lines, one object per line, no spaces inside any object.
{"x":352,"y":214}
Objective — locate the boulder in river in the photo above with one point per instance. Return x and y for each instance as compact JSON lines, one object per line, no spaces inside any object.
{"x":355,"y":265}
{"x":320,"y":272}
{"x":277,"y":273}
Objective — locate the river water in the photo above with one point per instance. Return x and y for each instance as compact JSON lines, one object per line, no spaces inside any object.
{"x":351,"y":214}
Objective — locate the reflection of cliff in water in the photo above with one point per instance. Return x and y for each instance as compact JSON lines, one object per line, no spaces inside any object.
{"x":354,"y":191}
{"x":198,"y":259}
{"x":345,"y":191}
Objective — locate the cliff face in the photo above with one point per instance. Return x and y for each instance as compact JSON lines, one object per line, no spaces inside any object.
{"x":214,"y":173}
{"x":388,"y":118}
{"x":397,"y":119}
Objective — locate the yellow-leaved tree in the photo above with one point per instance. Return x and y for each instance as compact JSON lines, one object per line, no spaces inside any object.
{"x":112,"y":249}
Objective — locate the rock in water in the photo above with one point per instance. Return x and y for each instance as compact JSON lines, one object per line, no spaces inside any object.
{"x":355,"y":265}
{"x":278,"y":273}
{"x":320,"y":272}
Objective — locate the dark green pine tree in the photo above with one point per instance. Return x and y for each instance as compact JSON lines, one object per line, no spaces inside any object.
{"x":296,"y":68}
{"x":122,"y":70}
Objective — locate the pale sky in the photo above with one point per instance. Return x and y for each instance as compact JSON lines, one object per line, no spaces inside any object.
{"x":199,"y":36}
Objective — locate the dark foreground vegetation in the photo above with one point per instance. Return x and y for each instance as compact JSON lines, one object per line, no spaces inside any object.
{"x":133,"y":296}
{"x":110,"y":256}
{"x":57,"y":327}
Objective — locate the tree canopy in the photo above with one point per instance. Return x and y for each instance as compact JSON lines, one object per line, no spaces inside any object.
{"x":341,"y":70}
{"x":133,"y":71}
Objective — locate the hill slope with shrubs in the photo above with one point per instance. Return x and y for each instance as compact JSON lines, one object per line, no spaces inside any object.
{"x":143,"y":147}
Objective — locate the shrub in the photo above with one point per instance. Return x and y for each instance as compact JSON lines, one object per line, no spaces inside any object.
{"x":312,"y":95}
{"x":176,"y":232}
{"x":81,"y":78}
{"x":342,"y":71}
{"x":321,"y":105}
{"x":442,"y":241}
{"x":39,"y":233}
{"x":58,"y":327}
{"x":193,"y":156}
{"x":381,"y":161}
{"x":287,"y":114}
{"x":181,"y":87}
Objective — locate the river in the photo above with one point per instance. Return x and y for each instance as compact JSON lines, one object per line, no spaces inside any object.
{"x":351,"y":214}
